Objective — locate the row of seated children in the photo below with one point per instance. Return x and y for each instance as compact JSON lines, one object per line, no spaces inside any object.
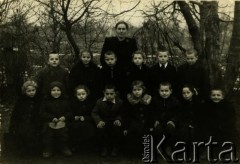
{"x":111,"y":119}
{"x":85,"y":72}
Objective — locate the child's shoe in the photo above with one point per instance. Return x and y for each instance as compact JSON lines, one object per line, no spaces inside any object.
{"x":114,"y":152}
{"x":47,"y":154}
{"x":104,"y":152}
{"x":67,"y":152}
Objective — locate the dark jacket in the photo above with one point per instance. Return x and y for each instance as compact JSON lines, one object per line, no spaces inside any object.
{"x":143,"y":74}
{"x":196,"y":75}
{"x":139,"y":111}
{"x":113,"y":75}
{"x":50,"y":74}
{"x":25,"y":118}
{"x":218,"y":120}
{"x":165,"y":109}
{"x":188,"y":114}
{"x":107,"y":111}
{"x":82,"y":108}
{"x":55,"y":108}
{"x":158,"y":75}
{"x":123,"y":49}
{"x":88,"y":76}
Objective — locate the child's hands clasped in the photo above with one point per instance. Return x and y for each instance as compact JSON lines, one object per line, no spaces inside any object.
{"x":62,"y":118}
{"x":81,"y":118}
{"x":171,"y":124}
{"x":156,"y":124}
{"x":101,"y":124}
{"x":117,"y":123}
{"x":55,"y":120}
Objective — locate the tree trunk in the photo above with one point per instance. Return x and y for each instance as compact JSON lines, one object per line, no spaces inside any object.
{"x":192,"y":26}
{"x":233,"y":61}
{"x":72,"y":41}
{"x":209,"y":25}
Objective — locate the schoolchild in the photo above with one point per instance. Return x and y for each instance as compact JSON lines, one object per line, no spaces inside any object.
{"x":50,"y":73}
{"x":107,"y":116}
{"x":137,"y":114}
{"x":82,"y":127}
{"x":193,"y":72}
{"x":163,"y":71}
{"x":85,"y":72}
{"x":166,"y":112}
{"x":24,"y":123}
{"x":113,"y":73}
{"x":55,"y":113}
{"x":138,"y":70}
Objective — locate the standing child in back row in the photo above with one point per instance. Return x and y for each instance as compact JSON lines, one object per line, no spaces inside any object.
{"x":194,"y":73}
{"x":52,"y":72}
{"x":163,"y":71}
{"x":138,"y":70}
{"x":85,"y":72}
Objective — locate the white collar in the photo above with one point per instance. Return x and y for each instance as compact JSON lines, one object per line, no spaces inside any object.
{"x":113,"y":101}
{"x":165,"y":65}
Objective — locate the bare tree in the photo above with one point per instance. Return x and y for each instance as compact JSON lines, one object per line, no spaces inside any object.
{"x":74,"y":11}
{"x":233,"y":60}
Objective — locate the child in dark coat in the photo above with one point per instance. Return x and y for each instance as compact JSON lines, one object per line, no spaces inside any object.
{"x":163,"y":71}
{"x":55,"y":113}
{"x":24,"y":122}
{"x":52,"y":72}
{"x":137,"y":115}
{"x":188,"y":115}
{"x":85,"y":72}
{"x":166,"y":113}
{"x":217,"y":118}
{"x":82,"y":128}
{"x":195,"y":74}
{"x":107,"y":116}
{"x":138,"y":70}
{"x":113,"y":74}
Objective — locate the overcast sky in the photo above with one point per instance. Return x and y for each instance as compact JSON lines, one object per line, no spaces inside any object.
{"x":136,"y":18}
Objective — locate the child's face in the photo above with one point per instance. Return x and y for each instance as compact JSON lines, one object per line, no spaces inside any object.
{"x":137,"y":91}
{"x":165,"y":91}
{"x":138,"y":59}
{"x":30,"y":91}
{"x":191,"y":58}
{"x":56,"y":92}
{"x":109,"y":94}
{"x":110,"y":60}
{"x":187,"y":94}
{"x":163,"y":57}
{"x":121,"y":30}
{"x":216,"y":96}
{"x":81,"y":94}
{"x":53,"y":60}
{"x":86,"y":58}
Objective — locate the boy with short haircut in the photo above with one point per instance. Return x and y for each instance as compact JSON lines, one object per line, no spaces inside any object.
{"x":138,"y":70}
{"x":106,"y":115}
{"x":163,"y":71}
{"x":166,"y":112}
{"x":52,"y":72}
{"x":192,"y":72}
{"x":217,"y":118}
{"x":112,"y":73}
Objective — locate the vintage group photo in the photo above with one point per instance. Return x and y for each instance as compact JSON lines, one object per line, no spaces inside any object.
{"x":138,"y":81}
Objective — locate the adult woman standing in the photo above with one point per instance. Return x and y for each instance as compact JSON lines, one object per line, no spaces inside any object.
{"x":121,"y":45}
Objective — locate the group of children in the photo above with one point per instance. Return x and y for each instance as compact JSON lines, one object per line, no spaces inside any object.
{"x":61,"y":107}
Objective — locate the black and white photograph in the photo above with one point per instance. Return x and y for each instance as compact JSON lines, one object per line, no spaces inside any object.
{"x":119,"y":81}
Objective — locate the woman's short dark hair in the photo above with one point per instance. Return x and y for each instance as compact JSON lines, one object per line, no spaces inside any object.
{"x":122,"y":22}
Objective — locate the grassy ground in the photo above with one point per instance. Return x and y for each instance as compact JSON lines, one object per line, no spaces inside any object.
{"x":81,"y":157}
